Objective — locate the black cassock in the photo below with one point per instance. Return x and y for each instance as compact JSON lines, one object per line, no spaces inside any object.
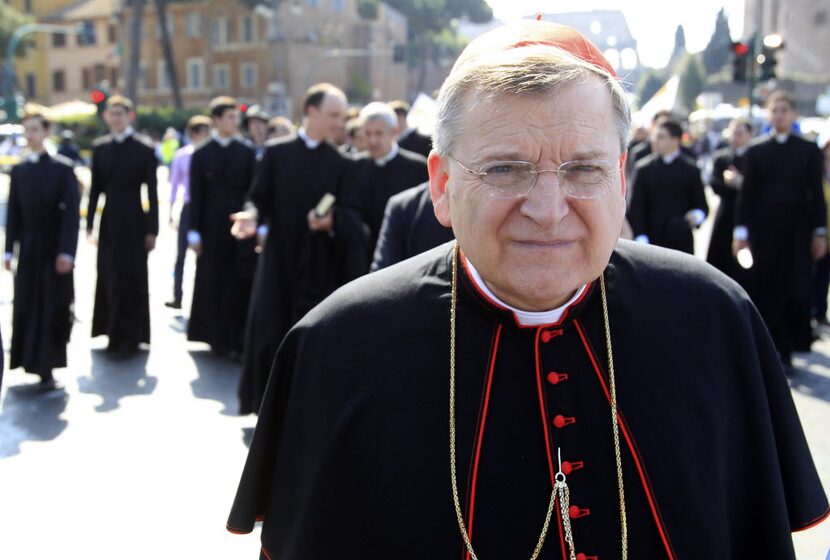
{"x":350,"y":455}
{"x":298,"y":268}
{"x":663,"y":193}
{"x":43,"y":221}
{"x":220,"y":177}
{"x":379,"y":182}
{"x":119,"y":169}
{"x":409,"y":228}
{"x":414,"y":141}
{"x":782,"y":204}
{"x":720,"y":245}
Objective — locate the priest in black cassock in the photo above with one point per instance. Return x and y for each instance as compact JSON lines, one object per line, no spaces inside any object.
{"x":409,"y":138}
{"x":384,"y":169}
{"x":123,"y":162}
{"x":43,"y":221}
{"x":782,"y":218}
{"x":726,"y":180}
{"x":409,"y":228}
{"x":668,"y":200}
{"x":537,"y":389}
{"x":221,"y":172}
{"x":310,"y":249}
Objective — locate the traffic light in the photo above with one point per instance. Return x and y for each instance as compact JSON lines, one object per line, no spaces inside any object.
{"x":768,"y":61}
{"x":99,"y":96}
{"x":740,"y":56}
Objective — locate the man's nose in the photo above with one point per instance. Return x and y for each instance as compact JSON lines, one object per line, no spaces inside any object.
{"x":546,"y":203}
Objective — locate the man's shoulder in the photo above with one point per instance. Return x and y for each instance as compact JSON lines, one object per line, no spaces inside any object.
{"x":688,"y":161}
{"x":409,"y":197}
{"x":724,"y":154}
{"x":63,"y":161}
{"x":805,"y":144}
{"x":144,"y":141}
{"x":646,"y":161}
{"x":102,"y":141}
{"x":412,"y":158}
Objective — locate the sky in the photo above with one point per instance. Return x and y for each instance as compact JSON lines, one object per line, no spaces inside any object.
{"x":652,"y":22}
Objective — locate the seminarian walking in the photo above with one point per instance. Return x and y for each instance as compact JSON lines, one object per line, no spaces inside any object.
{"x":43,"y":223}
{"x":122,"y":162}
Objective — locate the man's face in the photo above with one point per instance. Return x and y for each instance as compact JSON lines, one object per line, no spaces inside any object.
{"x":228,"y":123}
{"x":117,"y":118}
{"x":535,"y":251}
{"x":199,"y":135}
{"x":258,"y":129}
{"x":330,"y":118}
{"x":739,"y":136}
{"x":379,"y":137}
{"x":782,"y":116}
{"x":662,"y":142}
{"x":359,"y":139}
{"x":35,"y":133}
{"x":402,"y":126}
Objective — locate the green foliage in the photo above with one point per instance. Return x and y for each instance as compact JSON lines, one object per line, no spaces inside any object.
{"x":368,"y":9}
{"x":360,"y":90}
{"x":157,"y":119}
{"x":10,"y":20}
{"x":650,"y":83}
{"x":717,"y":52}
{"x":692,"y":80}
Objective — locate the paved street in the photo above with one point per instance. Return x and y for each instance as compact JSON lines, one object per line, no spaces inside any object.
{"x":140,"y":458}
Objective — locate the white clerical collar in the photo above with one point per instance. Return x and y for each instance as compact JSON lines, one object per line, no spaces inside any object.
{"x":524,"y":318}
{"x":34,"y":157}
{"x":119,"y":138}
{"x":223,"y":141}
{"x":310,"y":143}
{"x":671,"y":157}
{"x":742,"y":150}
{"x":782,"y":137}
{"x":393,"y":153}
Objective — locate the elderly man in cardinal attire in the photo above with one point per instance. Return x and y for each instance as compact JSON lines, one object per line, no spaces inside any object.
{"x":726,"y":180}
{"x":668,"y":201}
{"x":305,"y":201}
{"x":122,"y":163}
{"x":538,"y":387}
{"x":42,"y":221}
{"x":782,"y":219}
{"x":385,"y":169}
{"x":410,"y":138}
{"x":221,"y":172}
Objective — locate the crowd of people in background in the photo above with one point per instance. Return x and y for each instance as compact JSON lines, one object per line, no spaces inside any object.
{"x":280,"y":216}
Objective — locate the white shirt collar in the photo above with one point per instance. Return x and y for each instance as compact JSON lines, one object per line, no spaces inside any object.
{"x":119,"y":138}
{"x":34,"y":157}
{"x":393,"y":153}
{"x":524,"y":318}
{"x":223,"y":141}
{"x":671,"y":157}
{"x":310,"y":143}
{"x":742,"y":150}
{"x":780,"y":138}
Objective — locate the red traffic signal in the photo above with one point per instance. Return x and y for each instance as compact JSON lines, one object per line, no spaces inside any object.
{"x":740,"y":49}
{"x":98,"y":96}
{"x":243,"y":108}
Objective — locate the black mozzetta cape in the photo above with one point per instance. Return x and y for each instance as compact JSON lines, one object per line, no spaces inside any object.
{"x":122,"y":306}
{"x":350,"y":456}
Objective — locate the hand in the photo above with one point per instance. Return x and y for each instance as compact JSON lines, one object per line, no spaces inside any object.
{"x":7,"y":264}
{"x":320,"y":224}
{"x":737,"y":245}
{"x":733,"y":178}
{"x":244,"y":225}
{"x":197,"y":248}
{"x":819,"y":247}
{"x":91,"y":238}
{"x":64,"y":264}
{"x":149,"y":242}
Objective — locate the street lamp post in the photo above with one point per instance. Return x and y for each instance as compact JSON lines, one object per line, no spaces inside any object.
{"x":19,"y":33}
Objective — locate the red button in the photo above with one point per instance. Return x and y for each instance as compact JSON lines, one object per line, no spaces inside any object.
{"x":570,"y":466}
{"x":549,"y":335}
{"x":555,"y":377}
{"x":561,"y":421}
{"x":583,"y":556}
{"x":575,"y":512}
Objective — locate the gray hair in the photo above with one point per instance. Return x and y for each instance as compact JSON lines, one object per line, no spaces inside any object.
{"x":534,"y":70}
{"x":378,"y":111}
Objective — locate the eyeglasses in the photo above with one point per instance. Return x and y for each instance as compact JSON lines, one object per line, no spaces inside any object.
{"x":515,"y":179}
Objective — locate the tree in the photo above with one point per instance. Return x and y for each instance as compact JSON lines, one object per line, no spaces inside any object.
{"x":650,"y":83}
{"x":692,"y":81}
{"x":716,"y":53}
{"x":134,"y":68}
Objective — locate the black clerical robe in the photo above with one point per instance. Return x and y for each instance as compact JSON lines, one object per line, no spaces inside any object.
{"x":43,"y":221}
{"x":414,"y":141}
{"x":298,"y":268}
{"x":782,"y":204}
{"x":119,"y":169}
{"x":220,"y":177}
{"x":663,"y":194}
{"x":378,"y":182}
{"x":720,"y":244}
{"x":350,"y":455}
{"x":409,"y":228}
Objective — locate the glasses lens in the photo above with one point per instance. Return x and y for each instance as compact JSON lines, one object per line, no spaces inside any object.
{"x":585,"y":179}
{"x":509,"y":179}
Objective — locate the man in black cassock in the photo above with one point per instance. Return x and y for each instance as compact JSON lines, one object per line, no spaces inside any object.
{"x":782,"y":218}
{"x":410,"y":138}
{"x":385,"y":169}
{"x":409,"y":228}
{"x":727,"y":180}
{"x":221,"y":172}
{"x":306,"y":255}
{"x":538,"y":384}
{"x":43,"y":220}
{"x":668,"y":200}
{"x":123,"y":161}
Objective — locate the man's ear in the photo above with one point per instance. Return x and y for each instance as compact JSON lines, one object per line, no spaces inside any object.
{"x":438,"y":178}
{"x":623,"y":160}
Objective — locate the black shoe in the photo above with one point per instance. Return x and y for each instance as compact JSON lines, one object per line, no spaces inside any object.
{"x":175,"y":304}
{"x":49,"y":385}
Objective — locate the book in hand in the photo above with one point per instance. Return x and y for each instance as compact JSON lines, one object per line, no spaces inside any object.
{"x":324,"y":206}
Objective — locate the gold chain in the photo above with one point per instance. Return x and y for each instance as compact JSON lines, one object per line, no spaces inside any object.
{"x":551,"y":506}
